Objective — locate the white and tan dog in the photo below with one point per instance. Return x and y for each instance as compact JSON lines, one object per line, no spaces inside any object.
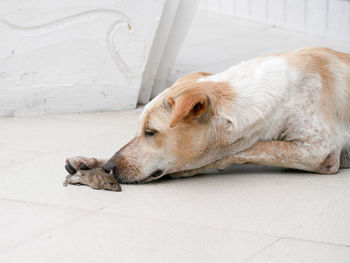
{"x":288,"y":110}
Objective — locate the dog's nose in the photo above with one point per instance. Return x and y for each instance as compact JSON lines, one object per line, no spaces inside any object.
{"x":109,"y":166}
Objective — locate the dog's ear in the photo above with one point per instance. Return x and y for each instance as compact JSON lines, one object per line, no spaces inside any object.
{"x":190,"y":105}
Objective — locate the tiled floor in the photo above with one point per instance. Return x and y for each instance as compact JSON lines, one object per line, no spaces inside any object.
{"x":245,"y":214}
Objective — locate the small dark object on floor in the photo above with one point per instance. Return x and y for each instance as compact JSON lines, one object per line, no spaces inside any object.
{"x":95,"y":178}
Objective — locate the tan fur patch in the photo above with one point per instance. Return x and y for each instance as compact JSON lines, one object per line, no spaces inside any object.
{"x":217,"y":93}
{"x":191,"y":104}
{"x":316,"y":60}
{"x":344,"y":57}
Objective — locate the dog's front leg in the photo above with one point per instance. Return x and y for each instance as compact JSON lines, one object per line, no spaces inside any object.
{"x":75,"y":164}
{"x":220,"y":165}
{"x":314,"y":157}
{"x":285,"y":154}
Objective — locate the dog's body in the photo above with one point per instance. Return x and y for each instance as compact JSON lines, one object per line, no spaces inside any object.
{"x":287,"y":110}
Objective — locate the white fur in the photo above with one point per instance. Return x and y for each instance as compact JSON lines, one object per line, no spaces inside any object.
{"x":274,"y":103}
{"x":259,"y":85}
{"x":270,"y":91}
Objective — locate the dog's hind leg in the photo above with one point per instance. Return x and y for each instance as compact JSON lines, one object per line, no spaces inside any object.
{"x":345,"y":157}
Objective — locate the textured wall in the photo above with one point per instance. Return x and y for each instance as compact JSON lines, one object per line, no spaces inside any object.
{"x":329,"y":18}
{"x":88,"y":55}
{"x":73,"y":56}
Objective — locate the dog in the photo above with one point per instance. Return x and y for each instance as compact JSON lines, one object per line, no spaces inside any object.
{"x":288,"y":110}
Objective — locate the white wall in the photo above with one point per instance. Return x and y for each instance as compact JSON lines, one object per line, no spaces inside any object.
{"x":330,"y":18}
{"x":87,"y":55}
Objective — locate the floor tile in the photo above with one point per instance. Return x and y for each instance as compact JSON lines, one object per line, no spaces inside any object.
{"x":248,"y":198}
{"x":59,"y":132}
{"x":291,"y":251}
{"x":41,"y":181}
{"x":10,"y":158}
{"x":332,"y":225}
{"x":42,"y":135}
{"x":112,"y":238}
{"x":19,"y":221}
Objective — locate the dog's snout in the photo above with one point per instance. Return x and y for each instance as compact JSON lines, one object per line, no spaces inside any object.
{"x":109,"y":166}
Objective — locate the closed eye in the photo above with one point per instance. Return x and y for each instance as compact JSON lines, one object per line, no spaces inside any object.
{"x":150,"y":132}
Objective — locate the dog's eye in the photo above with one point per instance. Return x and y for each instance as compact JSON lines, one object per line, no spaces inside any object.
{"x":111,"y":183}
{"x":149,"y":132}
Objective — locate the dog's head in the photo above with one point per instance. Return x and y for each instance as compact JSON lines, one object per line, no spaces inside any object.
{"x":179,"y":130}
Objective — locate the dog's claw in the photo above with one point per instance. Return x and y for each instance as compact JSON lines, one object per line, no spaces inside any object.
{"x":70,"y":169}
{"x":83,"y":166}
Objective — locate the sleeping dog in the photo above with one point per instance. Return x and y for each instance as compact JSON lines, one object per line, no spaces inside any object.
{"x":287,"y":110}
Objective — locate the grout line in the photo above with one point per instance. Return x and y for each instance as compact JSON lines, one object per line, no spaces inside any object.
{"x":100,"y":211}
{"x":319,"y":213}
{"x":262,"y":249}
{"x":163,"y":220}
{"x":295,"y":239}
{"x":317,"y":242}
{"x":45,"y":204}
{"x":74,"y":219}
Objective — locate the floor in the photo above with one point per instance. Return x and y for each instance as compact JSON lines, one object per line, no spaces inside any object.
{"x":244,"y":214}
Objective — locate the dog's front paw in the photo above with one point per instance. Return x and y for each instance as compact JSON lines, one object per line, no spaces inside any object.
{"x":74,"y":164}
